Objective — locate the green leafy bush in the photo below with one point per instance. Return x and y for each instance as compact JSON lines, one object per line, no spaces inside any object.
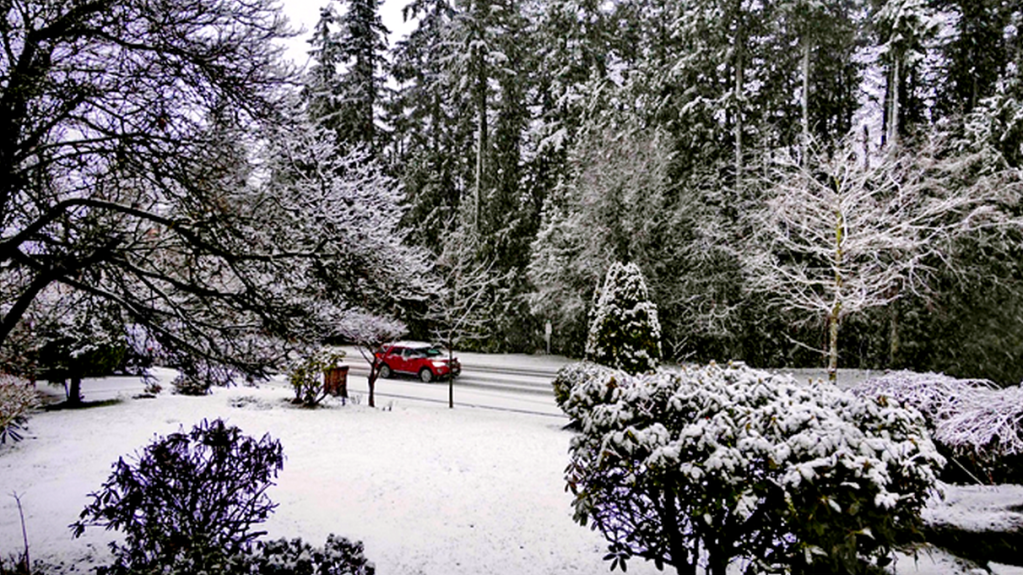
{"x":306,"y":375}
{"x":17,"y":400}
{"x":728,"y":462}
{"x":187,"y":503}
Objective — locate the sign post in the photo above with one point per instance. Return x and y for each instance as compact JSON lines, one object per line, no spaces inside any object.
{"x":547,"y":330}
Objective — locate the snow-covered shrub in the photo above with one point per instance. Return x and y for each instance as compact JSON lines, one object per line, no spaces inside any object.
{"x":306,"y":375}
{"x":936,"y":395}
{"x":625,"y":332}
{"x":187,"y":385}
{"x":972,"y":421}
{"x":187,"y":503}
{"x":17,"y":399}
{"x":579,"y":386}
{"x":295,"y":557}
{"x":725,"y":462}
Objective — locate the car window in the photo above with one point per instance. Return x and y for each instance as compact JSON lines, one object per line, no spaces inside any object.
{"x":433,"y":352}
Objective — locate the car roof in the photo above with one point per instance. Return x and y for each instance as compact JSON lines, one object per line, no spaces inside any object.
{"x":413,"y":344}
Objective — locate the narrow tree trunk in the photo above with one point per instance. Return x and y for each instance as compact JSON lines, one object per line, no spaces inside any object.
{"x":451,"y":376}
{"x":684,"y":561}
{"x":833,"y":341}
{"x":738,"y":110}
{"x":866,"y":148}
{"x":74,"y":392}
{"x":805,"y":143}
{"x":894,"y":343}
{"x":374,"y":373}
{"x":893,"y":104}
{"x":836,"y":308}
{"x":481,"y":138}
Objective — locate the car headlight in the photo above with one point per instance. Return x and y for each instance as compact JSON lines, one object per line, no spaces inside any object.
{"x":437,"y":363}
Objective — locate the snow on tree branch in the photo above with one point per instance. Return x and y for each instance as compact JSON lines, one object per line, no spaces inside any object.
{"x":836,"y":236}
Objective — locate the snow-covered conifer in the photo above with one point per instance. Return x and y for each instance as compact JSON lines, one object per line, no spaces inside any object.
{"x":625,"y":332}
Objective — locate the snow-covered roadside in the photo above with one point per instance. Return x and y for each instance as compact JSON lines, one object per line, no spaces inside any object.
{"x":427,"y":489}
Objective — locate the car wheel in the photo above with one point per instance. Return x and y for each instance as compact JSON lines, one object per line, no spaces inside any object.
{"x":385,"y":371}
{"x":426,"y":375}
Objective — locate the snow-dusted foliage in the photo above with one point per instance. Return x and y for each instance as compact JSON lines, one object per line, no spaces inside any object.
{"x":937,"y":396}
{"x":339,"y":556}
{"x":17,"y":399}
{"x":185,"y":384}
{"x":608,"y":207}
{"x":625,"y":333}
{"x":980,"y":425}
{"x":714,"y":463}
{"x":306,"y":375}
{"x":581,"y":386}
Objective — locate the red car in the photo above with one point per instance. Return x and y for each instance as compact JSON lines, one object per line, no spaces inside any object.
{"x":427,"y":362}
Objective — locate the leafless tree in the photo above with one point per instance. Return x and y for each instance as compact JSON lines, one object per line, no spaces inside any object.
{"x":458,"y":313}
{"x":839,"y":235}
{"x":368,"y":332}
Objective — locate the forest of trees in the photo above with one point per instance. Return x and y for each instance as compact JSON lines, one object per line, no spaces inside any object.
{"x":192,"y":181}
{"x":559,"y":136}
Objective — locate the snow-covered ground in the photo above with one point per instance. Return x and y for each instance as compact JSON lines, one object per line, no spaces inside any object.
{"x":427,"y":489}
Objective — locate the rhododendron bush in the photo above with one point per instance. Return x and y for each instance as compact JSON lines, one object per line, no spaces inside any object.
{"x":708,"y":465}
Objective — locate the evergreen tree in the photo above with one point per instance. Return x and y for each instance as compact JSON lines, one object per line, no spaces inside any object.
{"x":608,"y":209}
{"x":344,"y":83}
{"x":322,"y":89}
{"x":976,"y":56}
{"x":625,"y":333}
{"x":822,"y":72}
{"x":432,"y":140}
{"x":904,"y":29}
{"x":363,"y":48}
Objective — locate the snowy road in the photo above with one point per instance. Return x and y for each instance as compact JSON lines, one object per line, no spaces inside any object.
{"x":509,"y":382}
{"x":492,"y":381}
{"x":506,"y":382}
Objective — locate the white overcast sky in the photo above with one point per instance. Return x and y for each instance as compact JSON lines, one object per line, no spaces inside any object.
{"x":303,"y":15}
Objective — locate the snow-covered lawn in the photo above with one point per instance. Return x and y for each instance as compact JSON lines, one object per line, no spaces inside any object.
{"x":427,"y":489}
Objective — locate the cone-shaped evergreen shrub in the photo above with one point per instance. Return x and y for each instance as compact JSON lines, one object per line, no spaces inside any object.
{"x":625,"y":333}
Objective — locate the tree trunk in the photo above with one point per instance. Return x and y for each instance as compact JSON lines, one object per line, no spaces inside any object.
{"x":451,"y":376}
{"x":680,"y":555}
{"x":374,"y":373}
{"x":74,"y":392}
{"x":481,"y":137}
{"x":805,"y":143}
{"x":866,"y":148}
{"x":893,"y":104}
{"x":893,"y":341}
{"x":738,"y":107}
{"x":836,"y":308}
{"x":833,"y":341}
